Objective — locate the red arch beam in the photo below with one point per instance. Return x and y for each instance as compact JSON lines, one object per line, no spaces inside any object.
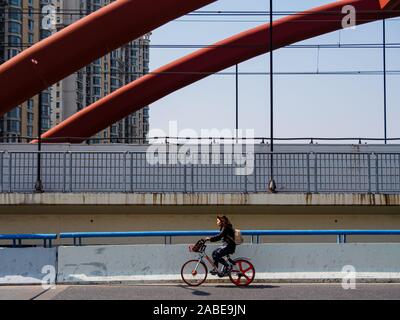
{"x":84,"y":41}
{"x":201,"y":63}
{"x":390,"y":4}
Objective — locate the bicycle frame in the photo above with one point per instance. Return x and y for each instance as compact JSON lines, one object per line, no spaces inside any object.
{"x":203,"y":255}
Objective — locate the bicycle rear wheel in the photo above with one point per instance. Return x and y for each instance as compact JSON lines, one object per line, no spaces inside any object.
{"x":243,"y":273}
{"x":194,"y":272}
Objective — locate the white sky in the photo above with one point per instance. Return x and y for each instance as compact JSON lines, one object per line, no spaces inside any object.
{"x":305,"y":106}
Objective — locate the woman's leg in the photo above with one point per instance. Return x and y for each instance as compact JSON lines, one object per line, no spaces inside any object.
{"x":218,"y":255}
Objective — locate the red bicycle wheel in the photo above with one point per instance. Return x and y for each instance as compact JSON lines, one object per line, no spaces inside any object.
{"x":194,"y":273}
{"x":243,"y":273}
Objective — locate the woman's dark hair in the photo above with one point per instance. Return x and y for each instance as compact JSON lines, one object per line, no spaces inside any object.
{"x":225,"y":221}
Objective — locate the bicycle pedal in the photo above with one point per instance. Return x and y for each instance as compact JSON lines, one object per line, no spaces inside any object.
{"x":223,"y":274}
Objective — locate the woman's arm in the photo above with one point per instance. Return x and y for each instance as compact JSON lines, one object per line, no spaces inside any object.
{"x":219,"y":236}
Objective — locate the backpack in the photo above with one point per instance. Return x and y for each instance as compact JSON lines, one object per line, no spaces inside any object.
{"x":238,"y":237}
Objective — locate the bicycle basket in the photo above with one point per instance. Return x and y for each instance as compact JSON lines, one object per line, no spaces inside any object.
{"x":198,"y":247}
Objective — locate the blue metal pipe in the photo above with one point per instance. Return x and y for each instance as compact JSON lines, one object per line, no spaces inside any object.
{"x":257,"y":233}
{"x":17,"y":238}
{"x":28,"y":236}
{"x":137,"y":234}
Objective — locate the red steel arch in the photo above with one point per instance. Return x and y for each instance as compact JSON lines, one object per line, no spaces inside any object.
{"x":390,"y":4}
{"x":201,"y":63}
{"x":84,"y":41}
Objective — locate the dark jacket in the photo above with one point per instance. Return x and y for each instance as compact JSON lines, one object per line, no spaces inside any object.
{"x":227,"y":235}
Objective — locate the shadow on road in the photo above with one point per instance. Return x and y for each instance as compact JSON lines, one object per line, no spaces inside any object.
{"x":252,"y":286}
{"x":195,"y":292}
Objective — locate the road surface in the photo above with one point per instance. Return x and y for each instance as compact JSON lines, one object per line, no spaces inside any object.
{"x":275,"y":291}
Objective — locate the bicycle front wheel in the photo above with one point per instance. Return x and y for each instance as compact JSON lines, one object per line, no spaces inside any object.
{"x":194,"y":273}
{"x":243,"y":273}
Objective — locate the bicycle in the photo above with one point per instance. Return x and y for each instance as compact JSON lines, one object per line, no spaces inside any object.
{"x":194,"y":272}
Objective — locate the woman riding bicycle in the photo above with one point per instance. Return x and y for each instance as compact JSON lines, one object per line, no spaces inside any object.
{"x":227,"y":235}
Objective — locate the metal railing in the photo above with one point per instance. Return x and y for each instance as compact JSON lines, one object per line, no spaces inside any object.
{"x":17,"y":238}
{"x":207,"y":140}
{"x":341,"y":235}
{"x":131,"y":172}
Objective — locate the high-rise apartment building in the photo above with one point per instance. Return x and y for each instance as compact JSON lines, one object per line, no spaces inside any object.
{"x":21,"y":26}
{"x":102,"y":77}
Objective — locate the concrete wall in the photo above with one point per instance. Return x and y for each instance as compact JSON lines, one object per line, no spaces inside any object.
{"x":9,"y":200}
{"x":271,"y":261}
{"x":25,"y":265}
{"x":124,"y":263}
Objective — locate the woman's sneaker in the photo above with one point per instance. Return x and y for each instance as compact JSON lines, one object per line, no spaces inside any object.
{"x":214,"y":272}
{"x":226,"y":271}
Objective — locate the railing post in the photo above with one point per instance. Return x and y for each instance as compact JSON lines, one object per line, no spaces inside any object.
{"x":308,"y":174}
{"x":65,"y":173}
{"x":398,"y":157}
{"x":167,"y":240}
{"x":377,"y":173}
{"x":168,"y":161}
{"x":369,"y":174}
{"x":70,"y":171}
{"x":316,"y":172}
{"x":341,"y":238}
{"x":184,"y":178}
{"x":255,"y":172}
{"x":131,"y":175}
{"x":1,"y":171}
{"x":192,"y":177}
{"x":125,"y":171}
{"x":255,"y":239}
{"x":9,"y":172}
{"x":245,"y":180}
